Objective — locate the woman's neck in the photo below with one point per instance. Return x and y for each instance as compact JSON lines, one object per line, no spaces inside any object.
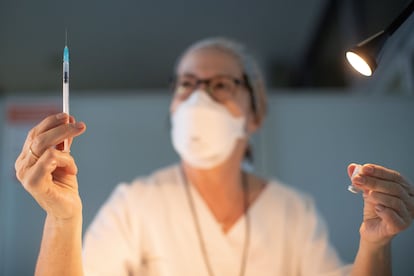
{"x":222,"y":190}
{"x":223,"y":179}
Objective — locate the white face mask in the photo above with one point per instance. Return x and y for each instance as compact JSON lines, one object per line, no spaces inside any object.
{"x":204,"y":133}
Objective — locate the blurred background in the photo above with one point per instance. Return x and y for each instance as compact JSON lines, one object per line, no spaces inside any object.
{"x":134,"y":44}
{"x":322,"y":115}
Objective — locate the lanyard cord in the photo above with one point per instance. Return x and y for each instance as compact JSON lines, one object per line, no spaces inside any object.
{"x":200,"y":234}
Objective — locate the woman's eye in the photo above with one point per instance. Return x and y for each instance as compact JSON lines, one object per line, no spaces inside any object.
{"x":221,"y":85}
{"x":186,"y":84}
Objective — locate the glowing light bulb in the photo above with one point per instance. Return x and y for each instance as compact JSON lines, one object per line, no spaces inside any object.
{"x":359,"y":63}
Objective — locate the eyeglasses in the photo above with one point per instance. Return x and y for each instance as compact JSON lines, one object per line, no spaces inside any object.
{"x":221,"y":88}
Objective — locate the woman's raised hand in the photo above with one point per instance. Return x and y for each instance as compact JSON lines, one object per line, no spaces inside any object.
{"x":46,"y":172}
{"x":388,"y":202}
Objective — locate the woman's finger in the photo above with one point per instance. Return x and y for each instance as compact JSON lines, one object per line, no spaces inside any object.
{"x":391,"y":202}
{"x":393,"y":222}
{"x":410,"y":202}
{"x":39,"y":176}
{"x":384,"y":173}
{"x":55,"y":136}
{"x":371,"y":183}
{"x":60,"y":146}
{"x":24,"y":162}
{"x":36,"y":145}
{"x":51,"y":122}
{"x":46,"y":124}
{"x":410,"y":189}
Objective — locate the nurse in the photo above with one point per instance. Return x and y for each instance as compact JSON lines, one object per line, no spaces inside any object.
{"x":205,"y":215}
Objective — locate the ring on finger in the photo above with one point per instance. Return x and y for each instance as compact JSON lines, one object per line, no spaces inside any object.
{"x":35,"y":156}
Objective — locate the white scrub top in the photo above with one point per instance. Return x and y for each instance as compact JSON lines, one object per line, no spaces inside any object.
{"x":146,"y":228}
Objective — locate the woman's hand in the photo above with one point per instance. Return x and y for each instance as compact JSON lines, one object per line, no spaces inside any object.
{"x":46,"y":172}
{"x":388,"y":202}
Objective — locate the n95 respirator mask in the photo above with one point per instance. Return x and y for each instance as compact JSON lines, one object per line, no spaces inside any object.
{"x":204,"y":133}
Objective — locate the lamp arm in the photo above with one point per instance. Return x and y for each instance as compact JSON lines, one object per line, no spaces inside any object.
{"x":400,"y":19}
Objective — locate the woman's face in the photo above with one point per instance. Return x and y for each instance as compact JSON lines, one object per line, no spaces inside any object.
{"x":205,"y":64}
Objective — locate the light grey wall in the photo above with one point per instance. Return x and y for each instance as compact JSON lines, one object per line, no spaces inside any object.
{"x":307,"y":142}
{"x":2,"y":193}
{"x":311,"y":140}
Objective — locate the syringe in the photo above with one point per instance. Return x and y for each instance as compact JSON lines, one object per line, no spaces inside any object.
{"x":66,"y":88}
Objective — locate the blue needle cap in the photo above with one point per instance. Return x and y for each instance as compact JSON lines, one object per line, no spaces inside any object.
{"x":66,"y":54}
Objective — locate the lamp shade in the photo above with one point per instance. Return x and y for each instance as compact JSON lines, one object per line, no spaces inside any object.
{"x":364,"y":57}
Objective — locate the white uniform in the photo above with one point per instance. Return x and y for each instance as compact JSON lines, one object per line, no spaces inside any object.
{"x":146,"y":228}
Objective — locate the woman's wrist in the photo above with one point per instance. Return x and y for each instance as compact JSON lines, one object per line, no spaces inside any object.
{"x":380,"y":249}
{"x":373,"y":258}
{"x":62,"y":224}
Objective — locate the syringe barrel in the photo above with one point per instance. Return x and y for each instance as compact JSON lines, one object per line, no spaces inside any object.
{"x":65,"y":72}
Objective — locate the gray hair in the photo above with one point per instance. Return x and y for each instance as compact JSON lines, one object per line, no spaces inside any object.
{"x":250,"y":68}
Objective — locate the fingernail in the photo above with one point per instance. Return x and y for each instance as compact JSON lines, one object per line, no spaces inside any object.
{"x":60,"y":116}
{"x":368,"y":169}
{"x":360,"y":179}
{"x":79,"y":125}
{"x":379,"y":208}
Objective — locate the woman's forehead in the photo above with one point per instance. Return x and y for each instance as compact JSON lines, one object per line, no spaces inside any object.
{"x":208,"y":62}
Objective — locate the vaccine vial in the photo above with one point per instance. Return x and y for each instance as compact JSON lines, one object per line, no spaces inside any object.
{"x":351,"y":187}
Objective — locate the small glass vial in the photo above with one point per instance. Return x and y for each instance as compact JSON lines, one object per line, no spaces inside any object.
{"x":351,"y":187}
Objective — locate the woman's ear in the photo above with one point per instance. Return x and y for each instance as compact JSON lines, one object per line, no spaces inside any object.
{"x":252,"y":123}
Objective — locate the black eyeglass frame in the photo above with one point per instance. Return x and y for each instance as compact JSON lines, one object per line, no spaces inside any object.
{"x":244,"y":81}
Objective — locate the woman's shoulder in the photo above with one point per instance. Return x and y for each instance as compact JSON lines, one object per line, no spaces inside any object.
{"x":161,"y":177}
{"x":151,"y":184}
